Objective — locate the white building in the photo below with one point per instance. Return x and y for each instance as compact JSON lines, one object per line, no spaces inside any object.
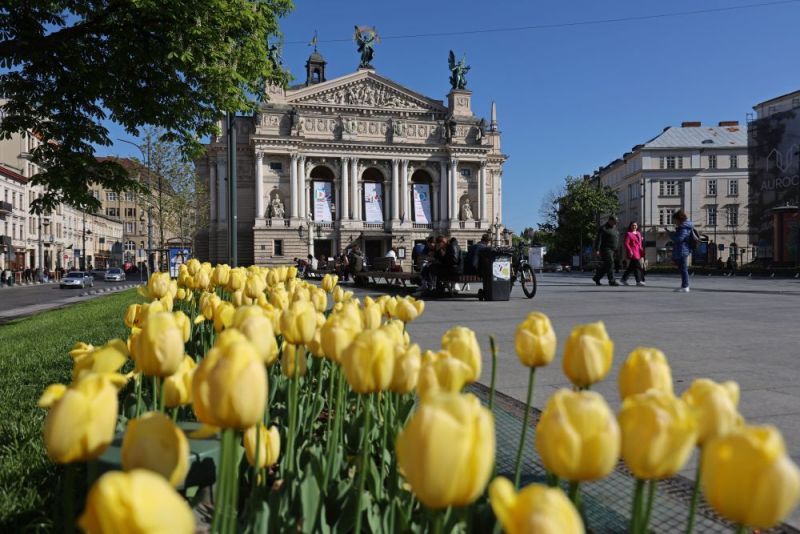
{"x":700,"y":169}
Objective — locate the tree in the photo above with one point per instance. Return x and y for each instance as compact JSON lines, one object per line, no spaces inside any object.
{"x":573,"y":214}
{"x":69,"y":66}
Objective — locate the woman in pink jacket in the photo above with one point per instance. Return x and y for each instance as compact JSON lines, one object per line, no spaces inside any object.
{"x":634,"y":251}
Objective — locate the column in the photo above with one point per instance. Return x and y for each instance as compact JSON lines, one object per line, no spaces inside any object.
{"x":222,"y":206}
{"x":443,"y":196}
{"x":482,"y":193}
{"x":344,"y":213}
{"x":301,"y":188}
{"x":354,"y":194}
{"x":212,"y":190}
{"x":293,"y":185}
{"x":434,"y":202}
{"x":259,"y":186}
{"x":404,"y":211}
{"x":395,"y":190}
{"x":453,"y":189}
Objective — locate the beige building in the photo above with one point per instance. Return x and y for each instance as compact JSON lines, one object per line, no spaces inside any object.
{"x":700,"y":169}
{"x":359,"y":158}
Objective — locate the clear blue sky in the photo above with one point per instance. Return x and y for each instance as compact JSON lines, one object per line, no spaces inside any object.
{"x":570,"y":98}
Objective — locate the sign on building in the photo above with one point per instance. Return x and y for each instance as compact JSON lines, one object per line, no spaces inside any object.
{"x":373,"y":202}
{"x":323,"y":201}
{"x":422,"y":203}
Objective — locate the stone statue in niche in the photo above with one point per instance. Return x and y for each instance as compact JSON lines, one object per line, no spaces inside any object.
{"x":276,"y":210}
{"x":466,"y":210}
{"x":480,"y":132}
{"x":398,"y":129}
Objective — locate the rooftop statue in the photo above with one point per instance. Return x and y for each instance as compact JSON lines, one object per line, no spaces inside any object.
{"x":458,"y":71}
{"x":367,"y":38}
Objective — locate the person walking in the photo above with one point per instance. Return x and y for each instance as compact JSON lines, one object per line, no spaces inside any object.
{"x":681,"y":246}
{"x":634,"y":251}
{"x":605,"y":244}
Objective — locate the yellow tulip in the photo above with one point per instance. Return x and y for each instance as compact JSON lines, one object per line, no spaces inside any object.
{"x":577,"y":436}
{"x":462,"y":344}
{"x":184,"y":325}
{"x":208,"y":301}
{"x":192,"y":266}
{"x":131,"y":314}
{"x":368,"y":362}
{"x":220,"y":275}
{"x":269,"y":445}
{"x":178,"y":387}
{"x":396,"y":330}
{"x":158,"y":286}
{"x":335,"y":336}
{"x":329,"y":281}
{"x":229,"y":387}
{"x":136,"y":502}
{"x":588,"y":354}
{"x":106,"y":359}
{"x":237,"y":280}
{"x":748,"y":478}
{"x":407,"y":363}
{"x":299,"y":323}
{"x":153,"y":442}
{"x":279,"y":298}
{"x":714,"y":405}
{"x":658,"y":434}
{"x":388,"y":305}
{"x":441,"y":372}
{"x":259,"y":331}
{"x":408,"y":309}
{"x":81,"y":419}
{"x":319,"y":299}
{"x":254,"y":286}
{"x":644,"y":369}
{"x":535,"y":509}
{"x":223,"y":316}
{"x":293,"y":360}
{"x":337,"y":294}
{"x":291,"y":272}
{"x":535,"y":340}
{"x":160,"y":348}
{"x":371,"y":314}
{"x":202,"y":280}
{"x":80,"y":349}
{"x":446,"y":451}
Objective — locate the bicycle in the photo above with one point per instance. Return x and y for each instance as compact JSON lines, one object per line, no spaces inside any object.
{"x":522,"y":272}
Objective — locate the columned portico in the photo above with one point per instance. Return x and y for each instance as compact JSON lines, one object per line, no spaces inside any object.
{"x":404,"y":211}
{"x":293,"y":185}
{"x":259,"y":186}
{"x":344,"y":213}
{"x":395,"y":191}
{"x":302,"y":192}
{"x":354,"y":189}
{"x":453,"y":189}
{"x":444,"y":198}
{"x":482,"y":192}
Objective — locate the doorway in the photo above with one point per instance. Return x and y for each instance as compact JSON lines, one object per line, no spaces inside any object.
{"x":373,"y":248}
{"x":323,"y":248}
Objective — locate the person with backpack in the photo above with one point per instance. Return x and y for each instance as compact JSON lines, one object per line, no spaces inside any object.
{"x":635,"y":251}
{"x":684,"y":241}
{"x":605,"y":244}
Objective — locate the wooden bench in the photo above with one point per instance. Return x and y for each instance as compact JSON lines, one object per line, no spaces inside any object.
{"x":318,"y":274}
{"x":381,"y":269}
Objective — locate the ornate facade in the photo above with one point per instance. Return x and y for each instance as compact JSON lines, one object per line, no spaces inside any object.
{"x":357,"y":158}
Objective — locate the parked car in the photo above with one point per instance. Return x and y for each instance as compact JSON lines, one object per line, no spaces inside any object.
{"x":115,"y":274}
{"x":552,"y":268}
{"x":79,"y":279}
{"x":98,"y":274}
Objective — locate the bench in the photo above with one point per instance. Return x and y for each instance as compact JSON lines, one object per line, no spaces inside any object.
{"x":318,"y":274}
{"x":381,"y":269}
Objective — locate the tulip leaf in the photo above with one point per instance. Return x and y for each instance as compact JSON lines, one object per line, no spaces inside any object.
{"x":310,"y":498}
{"x":373,"y":512}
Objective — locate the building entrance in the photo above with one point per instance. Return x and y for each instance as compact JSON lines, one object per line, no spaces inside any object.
{"x":373,"y":248}
{"x":323,"y":248}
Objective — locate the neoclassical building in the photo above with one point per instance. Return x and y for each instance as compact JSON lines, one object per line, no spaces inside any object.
{"x":357,"y":158}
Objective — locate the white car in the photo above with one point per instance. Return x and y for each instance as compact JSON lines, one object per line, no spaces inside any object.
{"x":77,"y":279}
{"x":114,"y":275}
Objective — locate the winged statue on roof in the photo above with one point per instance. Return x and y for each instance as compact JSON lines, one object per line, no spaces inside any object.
{"x":458,"y":71}
{"x":367,"y":38}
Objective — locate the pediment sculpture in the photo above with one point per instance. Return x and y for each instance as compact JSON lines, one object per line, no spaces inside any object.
{"x":367,"y":93}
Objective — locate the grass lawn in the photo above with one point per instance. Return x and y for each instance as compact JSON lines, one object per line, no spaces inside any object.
{"x":33,"y":354}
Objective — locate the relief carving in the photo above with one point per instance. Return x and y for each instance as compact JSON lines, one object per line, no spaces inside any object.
{"x":365,"y":93}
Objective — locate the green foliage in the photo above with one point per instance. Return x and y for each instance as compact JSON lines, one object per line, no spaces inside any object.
{"x":573,"y":214}
{"x":177,"y":65}
{"x":33,"y":355}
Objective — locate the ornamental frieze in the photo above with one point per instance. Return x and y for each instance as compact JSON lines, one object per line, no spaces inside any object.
{"x":367,"y":93}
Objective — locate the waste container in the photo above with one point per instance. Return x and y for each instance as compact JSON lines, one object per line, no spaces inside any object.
{"x":495,"y":269}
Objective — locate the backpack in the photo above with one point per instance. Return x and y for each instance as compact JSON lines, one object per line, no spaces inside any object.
{"x":693,"y":239}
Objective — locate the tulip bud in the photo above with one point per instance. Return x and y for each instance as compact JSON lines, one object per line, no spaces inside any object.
{"x":158,"y":286}
{"x":368,"y":362}
{"x":658,"y":434}
{"x":388,"y":305}
{"x":714,"y":406}
{"x":202,"y":280}
{"x":223,"y":316}
{"x":408,"y":309}
{"x":462,"y":344}
{"x":81,"y":420}
{"x":237,"y":280}
{"x":536,"y":508}
{"x":229,"y":388}
{"x":136,"y":501}
{"x":279,"y":298}
{"x":159,"y":346}
{"x":407,"y":364}
{"x":644,"y":369}
{"x":371,"y":314}
{"x":131,"y":314}
{"x":588,"y":354}
{"x":184,"y":325}
{"x":220,"y":275}
{"x":178,"y":387}
{"x":153,"y":442}
{"x":441,"y":373}
{"x":299,"y":323}
{"x":329,"y":281}
{"x":269,"y":445}
{"x":535,"y":340}
{"x":446,"y":451}
{"x":259,"y":331}
{"x":577,"y":436}
{"x":748,"y":478}
{"x":106,"y":359}
{"x":293,"y":360}
{"x":192,"y":266}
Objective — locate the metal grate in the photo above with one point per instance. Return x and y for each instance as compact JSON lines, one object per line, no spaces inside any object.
{"x":607,"y":502}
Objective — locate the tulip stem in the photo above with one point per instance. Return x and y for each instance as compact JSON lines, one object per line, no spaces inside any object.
{"x":139,"y":394}
{"x":493,"y":346}
{"x":155,"y":393}
{"x":575,"y":494}
{"x":220,"y":499}
{"x":552,"y":480}
{"x":695,"y":495}
{"x":333,"y":441}
{"x":740,"y":529}
{"x":437,"y":518}
{"x":362,"y":472}
{"x":69,"y":498}
{"x":637,"y":506}
{"x":651,"y":493}
{"x":518,"y":463}
{"x":387,"y":418}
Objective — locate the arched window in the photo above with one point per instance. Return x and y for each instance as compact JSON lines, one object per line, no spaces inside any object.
{"x":421,"y":197}
{"x":373,"y":196}
{"x":323,"y":195}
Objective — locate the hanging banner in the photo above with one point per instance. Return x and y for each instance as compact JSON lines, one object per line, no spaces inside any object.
{"x":177,"y":257}
{"x":422,"y":203}
{"x":323,"y":201}
{"x":373,"y":202}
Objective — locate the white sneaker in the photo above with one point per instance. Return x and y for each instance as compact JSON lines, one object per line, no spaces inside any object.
{"x":682,"y":290}
{"x":640,"y":284}
{"x":624,"y":282}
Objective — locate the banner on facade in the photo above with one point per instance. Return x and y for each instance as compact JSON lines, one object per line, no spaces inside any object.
{"x":373,"y":202}
{"x":323,"y":201}
{"x":422,"y":203}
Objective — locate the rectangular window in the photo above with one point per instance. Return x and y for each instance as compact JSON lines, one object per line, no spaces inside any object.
{"x":129,"y":228}
{"x":129,"y":196}
{"x":14,"y":231}
{"x":680,"y":162}
{"x":661,"y":162}
{"x":14,"y":199}
{"x":466,"y":173}
{"x":112,"y":212}
{"x":711,"y":216}
{"x":130,"y":212}
{"x":668,"y":188}
{"x":711,"y":188}
{"x":733,"y":215}
{"x":670,"y":162}
{"x":111,"y":196}
{"x":734,"y":162}
{"x":712,"y":161}
{"x":665,"y":216}
{"x":733,"y":188}
{"x":277,"y":247}
{"x":275,"y":166}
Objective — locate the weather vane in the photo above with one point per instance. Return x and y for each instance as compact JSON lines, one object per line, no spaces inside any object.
{"x":366,"y":37}
{"x":314,"y":41}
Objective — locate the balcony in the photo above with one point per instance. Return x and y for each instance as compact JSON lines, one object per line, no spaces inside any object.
{"x":5,"y":208}
{"x":373,"y":225}
{"x":423,"y":226}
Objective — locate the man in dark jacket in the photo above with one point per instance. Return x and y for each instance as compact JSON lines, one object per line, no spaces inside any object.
{"x":605,"y":244}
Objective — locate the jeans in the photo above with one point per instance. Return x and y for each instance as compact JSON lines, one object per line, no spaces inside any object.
{"x":635,"y":267}
{"x":683,"y":265}
{"x":607,"y":265}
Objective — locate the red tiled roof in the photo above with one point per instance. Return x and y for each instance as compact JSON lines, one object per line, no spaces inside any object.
{"x":8,"y":173}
